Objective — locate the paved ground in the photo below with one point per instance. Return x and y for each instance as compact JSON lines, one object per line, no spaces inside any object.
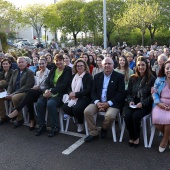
{"x":21,"y":150}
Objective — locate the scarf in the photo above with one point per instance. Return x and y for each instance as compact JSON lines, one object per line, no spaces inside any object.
{"x":76,"y":86}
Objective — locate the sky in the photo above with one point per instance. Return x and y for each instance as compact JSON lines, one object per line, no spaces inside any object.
{"x":22,"y":3}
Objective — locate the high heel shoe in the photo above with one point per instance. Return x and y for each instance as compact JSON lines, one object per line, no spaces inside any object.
{"x":33,"y":127}
{"x":161,"y":149}
{"x":130,"y":143}
{"x":7,"y":118}
{"x":135,"y":145}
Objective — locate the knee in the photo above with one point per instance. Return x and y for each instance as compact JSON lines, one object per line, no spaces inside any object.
{"x":40,"y":103}
{"x":136,"y":118}
{"x":14,"y":98}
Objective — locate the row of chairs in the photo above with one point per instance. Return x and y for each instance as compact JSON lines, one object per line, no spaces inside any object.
{"x":121,"y":122}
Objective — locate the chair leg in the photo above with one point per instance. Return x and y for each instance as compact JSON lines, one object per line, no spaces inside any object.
{"x":152,"y":135}
{"x":144,"y":132}
{"x":119,"y":120}
{"x":67,"y":123}
{"x":61,"y":113}
{"x":122,"y":130}
{"x":114,"y":131}
{"x":86,"y":127}
{"x":25,"y":115}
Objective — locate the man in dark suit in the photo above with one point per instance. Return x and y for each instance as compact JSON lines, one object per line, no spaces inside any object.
{"x":22,"y":80}
{"x":108,"y":94}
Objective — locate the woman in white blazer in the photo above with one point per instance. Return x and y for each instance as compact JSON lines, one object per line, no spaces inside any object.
{"x":33,"y":94}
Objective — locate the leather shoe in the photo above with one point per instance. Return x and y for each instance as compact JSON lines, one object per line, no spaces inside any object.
{"x":18,"y":123}
{"x":103,"y":133}
{"x":40,"y":130}
{"x":90,"y":138}
{"x":54,"y":131}
{"x":2,"y":120}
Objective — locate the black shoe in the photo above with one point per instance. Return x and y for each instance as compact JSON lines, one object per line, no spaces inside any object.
{"x":18,"y":123}
{"x":130,"y":144}
{"x":1,"y":121}
{"x":135,"y":145}
{"x":103,"y":133}
{"x":40,"y":130}
{"x":54,"y":131}
{"x":90,"y":138}
{"x":32,"y":128}
{"x":7,"y":118}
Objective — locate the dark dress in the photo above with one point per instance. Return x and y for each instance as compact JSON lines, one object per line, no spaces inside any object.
{"x":83,"y":101}
{"x":138,"y":91}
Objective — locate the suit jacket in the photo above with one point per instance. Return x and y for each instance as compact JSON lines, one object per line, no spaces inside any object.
{"x":63,"y":82}
{"x":115,"y":89}
{"x":87,"y":81}
{"x":26,"y":81}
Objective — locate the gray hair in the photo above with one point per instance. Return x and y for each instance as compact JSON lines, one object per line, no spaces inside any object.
{"x":164,"y":57}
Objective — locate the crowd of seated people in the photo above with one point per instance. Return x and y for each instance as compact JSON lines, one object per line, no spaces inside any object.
{"x":90,"y":84}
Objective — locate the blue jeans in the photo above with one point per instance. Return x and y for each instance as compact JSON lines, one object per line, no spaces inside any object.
{"x":51,"y":104}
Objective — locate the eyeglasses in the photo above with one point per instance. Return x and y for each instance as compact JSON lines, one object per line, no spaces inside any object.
{"x":79,"y":65}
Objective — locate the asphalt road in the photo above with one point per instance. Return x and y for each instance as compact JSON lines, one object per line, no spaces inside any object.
{"x":20,"y":149}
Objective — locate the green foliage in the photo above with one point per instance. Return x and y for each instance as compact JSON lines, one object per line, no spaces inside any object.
{"x":3,"y":39}
{"x":34,"y":15}
{"x":8,"y":16}
{"x":70,"y":13}
{"x":51,"y":18}
{"x":11,"y":35}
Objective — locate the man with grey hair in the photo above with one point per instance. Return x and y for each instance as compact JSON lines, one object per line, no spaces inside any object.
{"x":22,"y":80}
{"x":107,"y":94}
{"x":161,"y":60}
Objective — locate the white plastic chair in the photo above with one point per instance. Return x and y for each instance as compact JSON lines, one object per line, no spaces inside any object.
{"x":113,"y":124}
{"x":8,"y":106}
{"x":152,"y":135}
{"x":143,"y":124}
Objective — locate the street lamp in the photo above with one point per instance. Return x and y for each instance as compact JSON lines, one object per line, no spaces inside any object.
{"x":45,"y":29}
{"x":104,"y":24}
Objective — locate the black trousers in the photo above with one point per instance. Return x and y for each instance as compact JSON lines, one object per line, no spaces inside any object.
{"x":29,"y":99}
{"x":133,"y":119}
{"x":78,"y":109}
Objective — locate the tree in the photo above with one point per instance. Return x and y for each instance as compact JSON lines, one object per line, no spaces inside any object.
{"x":92,"y":16}
{"x":114,"y":9}
{"x":33,"y":15}
{"x":70,"y":13}
{"x":142,"y":15}
{"x":8,"y":16}
{"x":51,"y":19}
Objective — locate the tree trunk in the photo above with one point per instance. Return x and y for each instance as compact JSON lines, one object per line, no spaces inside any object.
{"x":75,"y":39}
{"x":152,"y":33}
{"x":143,"y":36}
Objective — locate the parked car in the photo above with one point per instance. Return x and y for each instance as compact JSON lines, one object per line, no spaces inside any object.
{"x":21,"y":45}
